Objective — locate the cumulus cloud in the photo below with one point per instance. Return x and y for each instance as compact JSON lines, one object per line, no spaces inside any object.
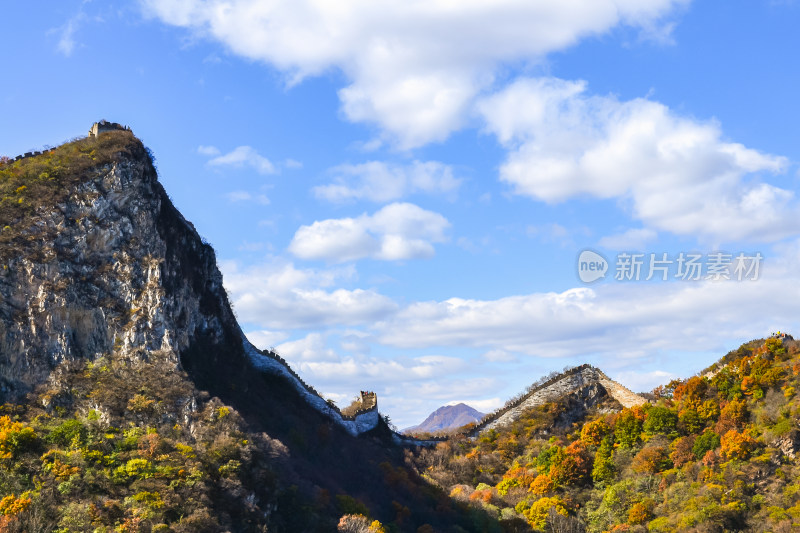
{"x":641,"y":334}
{"x":419,"y":368}
{"x":395,"y":232}
{"x":677,"y":174}
{"x":414,"y":68}
{"x":378,"y":181}
{"x":239,"y":157}
{"x":279,"y":296}
{"x":617,"y":322}
{"x":310,"y":348}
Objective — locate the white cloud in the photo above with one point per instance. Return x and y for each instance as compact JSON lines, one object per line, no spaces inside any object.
{"x":641,"y":334}
{"x":621,"y":323}
{"x":245,"y":196}
{"x":208,"y":150}
{"x":395,"y":370}
{"x":499,"y":356}
{"x":645,"y":381}
{"x":279,"y":296}
{"x":239,"y":157}
{"x":66,"y":34}
{"x":677,"y":174}
{"x":266,"y":339}
{"x":311,"y":348}
{"x":414,"y":67}
{"x":632,"y":239}
{"x":383,"y":182}
{"x":484,"y":406}
{"x":395,"y":232}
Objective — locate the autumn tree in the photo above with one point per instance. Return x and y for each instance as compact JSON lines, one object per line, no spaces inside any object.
{"x":571,"y":465}
{"x":538,"y":512}
{"x":709,"y":411}
{"x":604,"y":469}
{"x":542,"y":485}
{"x":660,"y":420}
{"x":627,"y":428}
{"x":592,"y":433}
{"x":690,"y":394}
{"x":682,"y":451}
{"x":736,"y":445}
{"x":732,"y":416}
{"x":641,"y":512}
{"x":651,"y":460}
{"x":14,"y":437}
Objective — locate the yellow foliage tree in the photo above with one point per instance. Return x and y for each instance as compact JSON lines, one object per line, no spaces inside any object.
{"x":13,"y":437}
{"x":538,"y":512}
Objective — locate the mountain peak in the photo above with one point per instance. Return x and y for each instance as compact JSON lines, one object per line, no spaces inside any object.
{"x":96,"y":260}
{"x":591,"y":385}
{"x":446,"y":418}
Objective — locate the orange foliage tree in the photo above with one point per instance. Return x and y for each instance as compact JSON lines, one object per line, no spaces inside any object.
{"x":736,"y":445}
{"x":651,"y":460}
{"x":691,"y":392}
{"x":592,"y":433}
{"x":542,"y":484}
{"x":571,"y":465}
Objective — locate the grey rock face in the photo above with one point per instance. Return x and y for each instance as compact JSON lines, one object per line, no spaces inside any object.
{"x":112,"y":269}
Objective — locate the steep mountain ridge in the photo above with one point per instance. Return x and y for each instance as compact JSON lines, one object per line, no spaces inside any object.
{"x":109,"y":265}
{"x":130,"y":399}
{"x":586,"y":383}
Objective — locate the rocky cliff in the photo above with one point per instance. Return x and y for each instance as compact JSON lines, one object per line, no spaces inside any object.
{"x":129,"y":398}
{"x":98,"y":261}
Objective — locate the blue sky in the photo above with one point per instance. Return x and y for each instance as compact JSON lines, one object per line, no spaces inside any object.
{"x":398,"y":191}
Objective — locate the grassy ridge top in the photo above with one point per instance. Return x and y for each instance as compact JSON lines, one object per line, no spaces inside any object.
{"x":43,"y":179}
{"x":46,"y":179}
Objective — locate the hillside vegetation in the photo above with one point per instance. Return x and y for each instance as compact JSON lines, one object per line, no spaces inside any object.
{"x":46,"y":180}
{"x":713,"y":453}
{"x":106,"y":431}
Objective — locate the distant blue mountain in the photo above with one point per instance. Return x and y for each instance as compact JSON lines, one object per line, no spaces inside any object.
{"x":446,"y":418}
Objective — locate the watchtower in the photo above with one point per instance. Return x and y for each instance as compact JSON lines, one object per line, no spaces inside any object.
{"x":104,"y":125}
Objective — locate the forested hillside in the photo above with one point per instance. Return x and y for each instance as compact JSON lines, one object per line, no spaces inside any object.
{"x":715,"y":452}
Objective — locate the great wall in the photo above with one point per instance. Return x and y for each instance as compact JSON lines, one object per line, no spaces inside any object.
{"x":359,"y":418}
{"x":96,"y":129}
{"x":362,"y":415}
{"x":556,"y":387}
